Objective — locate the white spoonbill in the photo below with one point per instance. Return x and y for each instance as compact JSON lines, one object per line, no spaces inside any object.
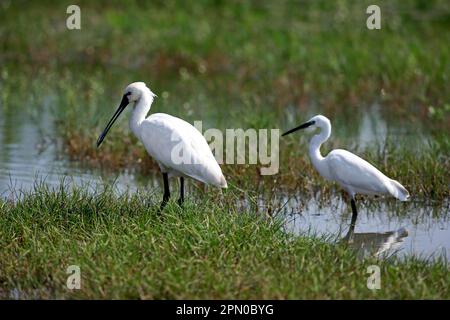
{"x":353,"y":174}
{"x":178,"y":147}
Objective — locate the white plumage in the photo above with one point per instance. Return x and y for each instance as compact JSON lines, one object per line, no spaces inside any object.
{"x":164,"y":135}
{"x":356,"y":175}
{"x":177,"y":146}
{"x":353,"y":174}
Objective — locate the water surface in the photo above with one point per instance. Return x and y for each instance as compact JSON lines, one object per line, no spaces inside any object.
{"x":383,"y":227}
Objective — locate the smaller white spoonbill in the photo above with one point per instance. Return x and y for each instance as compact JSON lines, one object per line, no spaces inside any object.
{"x":178,"y":147}
{"x":353,"y":174}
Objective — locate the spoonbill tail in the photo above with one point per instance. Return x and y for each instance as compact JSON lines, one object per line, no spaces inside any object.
{"x":178,"y":147}
{"x":353,"y":174}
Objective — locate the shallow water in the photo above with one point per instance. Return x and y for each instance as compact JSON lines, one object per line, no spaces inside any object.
{"x":29,"y":153}
{"x":383,"y":227}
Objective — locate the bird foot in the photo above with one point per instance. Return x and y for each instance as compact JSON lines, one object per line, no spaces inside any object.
{"x":163,"y":204}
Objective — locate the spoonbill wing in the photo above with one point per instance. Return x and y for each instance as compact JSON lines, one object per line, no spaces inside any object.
{"x":179,"y":147}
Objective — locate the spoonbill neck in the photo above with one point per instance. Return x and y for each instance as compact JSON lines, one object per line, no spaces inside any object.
{"x":140,"y":111}
{"x":314,"y":148}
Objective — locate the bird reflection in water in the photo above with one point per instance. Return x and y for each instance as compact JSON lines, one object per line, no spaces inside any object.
{"x":376,"y":244}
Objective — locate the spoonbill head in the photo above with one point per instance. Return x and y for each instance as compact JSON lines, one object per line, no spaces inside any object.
{"x":132,"y":94}
{"x":354,"y":174}
{"x":178,"y":147}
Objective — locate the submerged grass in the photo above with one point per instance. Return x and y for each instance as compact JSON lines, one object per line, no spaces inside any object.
{"x":208,"y":250}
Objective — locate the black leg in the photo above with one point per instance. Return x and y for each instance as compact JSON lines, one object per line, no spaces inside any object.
{"x":354,"y":214}
{"x":181,"y":200}
{"x":349,"y":236}
{"x":166,"y":195}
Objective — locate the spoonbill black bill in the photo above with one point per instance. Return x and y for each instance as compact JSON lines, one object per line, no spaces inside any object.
{"x":166,"y":137}
{"x":354,"y":174}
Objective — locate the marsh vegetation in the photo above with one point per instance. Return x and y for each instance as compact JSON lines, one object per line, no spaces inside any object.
{"x":230,"y":64}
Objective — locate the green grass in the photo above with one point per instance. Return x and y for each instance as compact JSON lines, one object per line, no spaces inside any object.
{"x":208,"y":250}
